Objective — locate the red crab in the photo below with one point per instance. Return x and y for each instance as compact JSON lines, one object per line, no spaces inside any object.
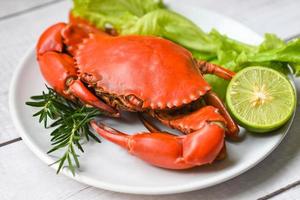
{"x":145,"y":74}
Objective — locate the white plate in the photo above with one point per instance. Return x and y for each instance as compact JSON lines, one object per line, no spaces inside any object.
{"x":107,"y":166}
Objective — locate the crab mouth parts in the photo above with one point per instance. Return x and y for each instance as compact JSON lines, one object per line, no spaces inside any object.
{"x":132,"y":103}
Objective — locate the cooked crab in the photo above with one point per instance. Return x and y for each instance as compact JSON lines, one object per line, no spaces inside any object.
{"x":145,"y":74}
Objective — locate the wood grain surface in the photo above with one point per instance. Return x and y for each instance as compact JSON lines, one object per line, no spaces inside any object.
{"x":24,"y":176}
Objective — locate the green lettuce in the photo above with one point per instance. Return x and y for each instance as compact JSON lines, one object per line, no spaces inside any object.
{"x":144,"y":17}
{"x":152,"y":17}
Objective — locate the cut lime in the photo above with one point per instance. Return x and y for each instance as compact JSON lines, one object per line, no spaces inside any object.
{"x":260,"y":99}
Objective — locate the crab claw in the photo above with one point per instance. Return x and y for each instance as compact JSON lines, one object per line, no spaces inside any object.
{"x":58,"y":68}
{"x":51,"y":40}
{"x":169,"y":151}
{"x":78,"y":20}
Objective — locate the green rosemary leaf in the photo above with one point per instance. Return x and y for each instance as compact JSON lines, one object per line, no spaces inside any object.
{"x":85,"y":132}
{"x":56,"y":123}
{"x":50,"y":114}
{"x":92,"y":135}
{"x":58,"y":146}
{"x":37,"y":113}
{"x":70,"y":165}
{"x":38,"y":97}
{"x":36,"y":104}
{"x":61,"y":163}
{"x":70,"y":121}
{"x":42,"y":116}
{"x":61,"y":139}
{"x":79,"y":146}
{"x":45,"y":120}
{"x":61,"y":106}
{"x":75,"y":156}
{"x":56,"y":132}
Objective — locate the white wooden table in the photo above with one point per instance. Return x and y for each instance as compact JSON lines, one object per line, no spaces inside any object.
{"x":24,"y":176}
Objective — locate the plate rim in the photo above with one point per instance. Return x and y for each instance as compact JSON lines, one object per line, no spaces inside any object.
{"x":115,"y":187}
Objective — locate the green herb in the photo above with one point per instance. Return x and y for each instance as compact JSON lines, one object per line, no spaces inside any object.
{"x":70,"y":122}
{"x":150,"y":17}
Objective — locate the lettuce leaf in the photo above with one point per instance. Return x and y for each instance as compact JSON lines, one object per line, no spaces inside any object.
{"x":285,"y":53}
{"x":145,"y":18}
{"x":117,"y":13}
{"x":272,"y":52}
{"x":175,"y":27}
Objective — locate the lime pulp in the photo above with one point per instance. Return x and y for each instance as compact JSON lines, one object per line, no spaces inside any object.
{"x":260,"y":99}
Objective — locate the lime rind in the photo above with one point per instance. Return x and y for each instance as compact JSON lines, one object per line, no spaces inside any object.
{"x":275,"y":107}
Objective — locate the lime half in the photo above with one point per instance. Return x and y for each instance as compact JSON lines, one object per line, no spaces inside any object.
{"x":260,"y":99}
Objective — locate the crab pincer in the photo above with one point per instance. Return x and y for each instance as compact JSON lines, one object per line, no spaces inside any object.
{"x":58,"y":66}
{"x":169,"y":151}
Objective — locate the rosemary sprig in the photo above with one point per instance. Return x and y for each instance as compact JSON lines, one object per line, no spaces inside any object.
{"x":70,"y":122}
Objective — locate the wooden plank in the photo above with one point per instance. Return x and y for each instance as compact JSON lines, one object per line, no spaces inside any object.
{"x":292,"y":194}
{"x":263,"y":16}
{"x":10,"y":141}
{"x":24,"y":176}
{"x":288,"y":190}
{"x":17,"y":35}
{"x":10,"y":8}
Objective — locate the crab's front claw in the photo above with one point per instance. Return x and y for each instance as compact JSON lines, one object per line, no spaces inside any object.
{"x":56,"y":69}
{"x":59,"y":71}
{"x":78,"y":89}
{"x":169,"y":151}
{"x":51,"y":39}
{"x":58,"y":66}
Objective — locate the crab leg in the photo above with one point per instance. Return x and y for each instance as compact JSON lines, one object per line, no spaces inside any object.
{"x":153,"y":129}
{"x":193,"y":121}
{"x":58,"y":68}
{"x":212,"y":99}
{"x":232,"y":128}
{"x":79,"y":90}
{"x":209,"y":68}
{"x":169,"y":151}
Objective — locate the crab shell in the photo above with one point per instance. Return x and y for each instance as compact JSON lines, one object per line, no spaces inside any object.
{"x":149,"y":72}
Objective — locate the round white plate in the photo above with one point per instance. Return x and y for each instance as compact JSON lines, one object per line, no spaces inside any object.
{"x":107,"y":166}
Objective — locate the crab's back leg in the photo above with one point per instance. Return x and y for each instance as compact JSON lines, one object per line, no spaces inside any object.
{"x":188,"y":123}
{"x":210,"y":68}
{"x":212,"y":99}
{"x":232,"y":128}
{"x":215,"y":111}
